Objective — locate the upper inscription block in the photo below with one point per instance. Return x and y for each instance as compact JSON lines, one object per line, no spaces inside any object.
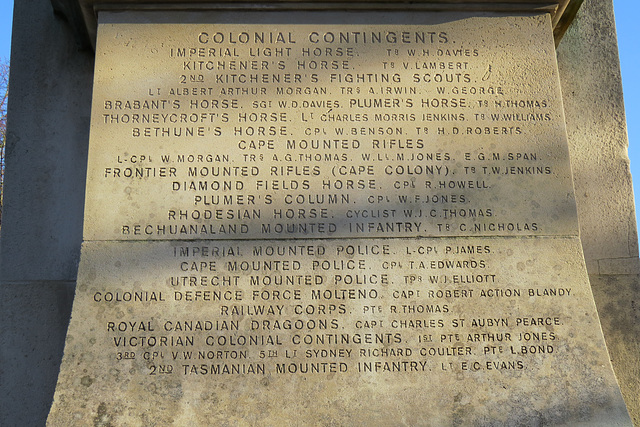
{"x":228,"y":131}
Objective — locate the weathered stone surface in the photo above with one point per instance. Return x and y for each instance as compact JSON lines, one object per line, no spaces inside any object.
{"x":598,"y":148}
{"x":43,"y":196}
{"x":460,"y":298}
{"x":616,"y":297}
{"x":513,"y":341}
{"x":35,"y":317}
{"x":460,"y":132}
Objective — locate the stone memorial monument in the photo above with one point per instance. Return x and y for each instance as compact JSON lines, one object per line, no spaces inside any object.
{"x":331,"y":214}
{"x":329,"y":217}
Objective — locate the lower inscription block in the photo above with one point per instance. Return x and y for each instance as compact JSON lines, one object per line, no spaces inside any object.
{"x":433,"y":332}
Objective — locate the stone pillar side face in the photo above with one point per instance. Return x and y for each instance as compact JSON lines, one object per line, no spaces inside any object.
{"x":41,"y":230}
{"x":46,"y":149}
{"x":596,"y":127}
{"x":35,"y":316}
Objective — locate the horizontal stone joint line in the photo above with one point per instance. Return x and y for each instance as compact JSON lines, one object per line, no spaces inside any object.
{"x":486,"y":5}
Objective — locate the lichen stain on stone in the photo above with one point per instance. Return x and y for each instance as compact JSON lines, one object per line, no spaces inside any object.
{"x":102,"y":419}
{"x":92,"y":275}
{"x":86,"y":381}
{"x":459,"y":413}
{"x":210,"y":398}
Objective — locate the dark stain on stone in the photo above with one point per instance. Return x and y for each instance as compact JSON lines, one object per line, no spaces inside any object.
{"x":102,"y":419}
{"x":86,"y":381}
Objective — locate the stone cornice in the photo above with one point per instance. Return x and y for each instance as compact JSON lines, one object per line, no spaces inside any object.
{"x":82,"y":14}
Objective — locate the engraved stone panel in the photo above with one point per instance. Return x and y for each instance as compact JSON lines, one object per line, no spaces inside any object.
{"x":479,"y":331}
{"x":332,"y":131}
{"x":331,"y":219}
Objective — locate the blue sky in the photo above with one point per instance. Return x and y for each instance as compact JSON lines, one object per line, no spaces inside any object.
{"x":6,"y":14}
{"x":627,"y":13}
